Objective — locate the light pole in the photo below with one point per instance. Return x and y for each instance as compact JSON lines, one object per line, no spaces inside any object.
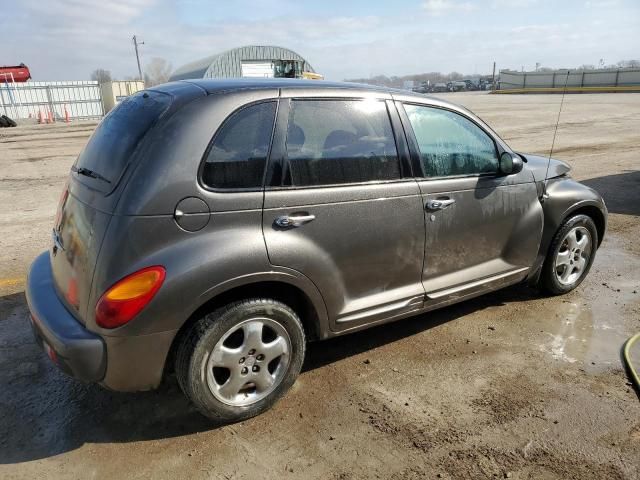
{"x":135,"y":45}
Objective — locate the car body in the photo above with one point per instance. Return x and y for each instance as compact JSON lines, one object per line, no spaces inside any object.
{"x":344,"y":243}
{"x":456,"y":86}
{"x":472,"y":85}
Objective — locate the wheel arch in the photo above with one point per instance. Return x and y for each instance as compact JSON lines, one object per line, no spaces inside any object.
{"x":567,"y":198}
{"x":288,"y":288}
{"x":593,"y":212}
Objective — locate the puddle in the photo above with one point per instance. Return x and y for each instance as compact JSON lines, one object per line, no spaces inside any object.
{"x":581,"y":335}
{"x":591,"y":329}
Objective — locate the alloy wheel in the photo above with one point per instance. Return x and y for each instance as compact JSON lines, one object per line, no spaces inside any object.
{"x":248,"y":362}
{"x":573,"y":255}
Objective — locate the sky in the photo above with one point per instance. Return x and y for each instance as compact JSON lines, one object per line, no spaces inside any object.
{"x":68,"y":39}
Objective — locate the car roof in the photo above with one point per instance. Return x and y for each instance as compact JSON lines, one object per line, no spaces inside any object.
{"x":219,"y":85}
{"x":226,"y":85}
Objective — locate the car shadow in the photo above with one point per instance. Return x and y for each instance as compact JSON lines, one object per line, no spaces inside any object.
{"x":45,"y":413}
{"x":621,"y":192}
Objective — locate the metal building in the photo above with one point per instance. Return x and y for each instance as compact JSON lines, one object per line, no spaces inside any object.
{"x":250,"y":61}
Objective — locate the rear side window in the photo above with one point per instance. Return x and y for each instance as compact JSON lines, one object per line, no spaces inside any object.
{"x":451,"y":144}
{"x":238,"y":155}
{"x":333,"y":142}
{"x":111,"y":146}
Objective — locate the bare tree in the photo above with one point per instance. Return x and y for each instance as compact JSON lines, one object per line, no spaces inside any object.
{"x":101,"y":75}
{"x":629,"y":63}
{"x":157,"y":71}
{"x":397,"y":82}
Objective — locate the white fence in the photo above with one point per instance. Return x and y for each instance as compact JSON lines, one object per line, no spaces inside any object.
{"x":24,"y":100}
{"x":623,"y":77}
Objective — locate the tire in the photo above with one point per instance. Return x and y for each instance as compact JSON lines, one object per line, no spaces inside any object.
{"x":9,"y":121}
{"x":568,"y":260}
{"x":232,"y":336}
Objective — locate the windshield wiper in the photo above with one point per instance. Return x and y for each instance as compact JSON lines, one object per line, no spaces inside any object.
{"x":89,"y":173}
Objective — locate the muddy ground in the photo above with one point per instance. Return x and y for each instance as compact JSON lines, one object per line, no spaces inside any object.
{"x":510,"y":385}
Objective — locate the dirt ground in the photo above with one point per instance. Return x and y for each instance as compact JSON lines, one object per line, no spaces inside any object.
{"x":509,"y":385}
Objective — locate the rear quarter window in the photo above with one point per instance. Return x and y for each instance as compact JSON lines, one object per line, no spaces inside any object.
{"x":238,"y":155}
{"x":110,"y":148}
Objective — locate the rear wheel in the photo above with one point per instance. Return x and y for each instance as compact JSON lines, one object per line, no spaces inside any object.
{"x":237,"y":361}
{"x":570,"y":256}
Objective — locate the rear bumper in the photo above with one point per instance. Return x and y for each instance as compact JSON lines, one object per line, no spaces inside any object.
{"x":135,"y":362}
{"x":77,"y":351}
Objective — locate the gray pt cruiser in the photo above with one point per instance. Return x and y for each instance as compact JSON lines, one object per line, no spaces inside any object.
{"x":215,"y":227}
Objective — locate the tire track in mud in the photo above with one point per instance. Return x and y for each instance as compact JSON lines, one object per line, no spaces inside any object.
{"x":529,"y":463}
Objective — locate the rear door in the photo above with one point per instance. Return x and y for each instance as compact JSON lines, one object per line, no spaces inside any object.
{"x":341,"y":207}
{"x":482,"y":228}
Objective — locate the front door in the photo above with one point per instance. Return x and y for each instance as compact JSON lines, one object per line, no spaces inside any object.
{"x":482,"y":228}
{"x":346,"y":213}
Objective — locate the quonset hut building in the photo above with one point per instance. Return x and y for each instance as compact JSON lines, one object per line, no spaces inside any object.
{"x":250,"y":61}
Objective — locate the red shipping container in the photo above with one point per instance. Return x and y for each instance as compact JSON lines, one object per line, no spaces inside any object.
{"x":16,"y":73}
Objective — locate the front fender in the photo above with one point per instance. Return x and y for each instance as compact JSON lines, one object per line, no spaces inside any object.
{"x":564,"y":196}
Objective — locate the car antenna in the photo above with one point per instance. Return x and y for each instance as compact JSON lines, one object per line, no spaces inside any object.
{"x":555,"y":133}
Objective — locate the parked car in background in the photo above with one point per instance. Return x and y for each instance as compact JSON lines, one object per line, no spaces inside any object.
{"x":472,"y":85}
{"x":423,"y":87}
{"x":456,"y":86}
{"x":215,"y":227}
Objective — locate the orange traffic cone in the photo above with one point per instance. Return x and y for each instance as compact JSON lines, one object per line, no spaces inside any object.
{"x":66,"y":114}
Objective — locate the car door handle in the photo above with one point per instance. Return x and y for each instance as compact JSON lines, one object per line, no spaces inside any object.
{"x":439,"y":204}
{"x":288,"y":221}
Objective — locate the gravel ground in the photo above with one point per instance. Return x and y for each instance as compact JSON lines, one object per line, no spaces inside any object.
{"x":509,"y":385}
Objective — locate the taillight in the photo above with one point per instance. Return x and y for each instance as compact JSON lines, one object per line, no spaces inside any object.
{"x":125,"y":299}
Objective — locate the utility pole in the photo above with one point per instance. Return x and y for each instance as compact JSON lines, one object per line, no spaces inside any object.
{"x":135,"y":45}
{"x":493,"y":77}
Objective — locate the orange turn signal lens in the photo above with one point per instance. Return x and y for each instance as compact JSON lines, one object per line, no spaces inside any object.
{"x":124,"y":300}
{"x":134,"y":286}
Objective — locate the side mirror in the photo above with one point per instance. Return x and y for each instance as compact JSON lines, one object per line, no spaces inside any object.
{"x":510,"y":163}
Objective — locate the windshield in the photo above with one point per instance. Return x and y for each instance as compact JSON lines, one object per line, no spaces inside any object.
{"x":109,"y":149}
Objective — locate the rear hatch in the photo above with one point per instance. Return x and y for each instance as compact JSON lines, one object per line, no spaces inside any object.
{"x":91,"y":195}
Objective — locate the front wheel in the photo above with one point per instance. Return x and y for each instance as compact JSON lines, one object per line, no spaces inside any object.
{"x":570,"y":255}
{"x":237,"y":361}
